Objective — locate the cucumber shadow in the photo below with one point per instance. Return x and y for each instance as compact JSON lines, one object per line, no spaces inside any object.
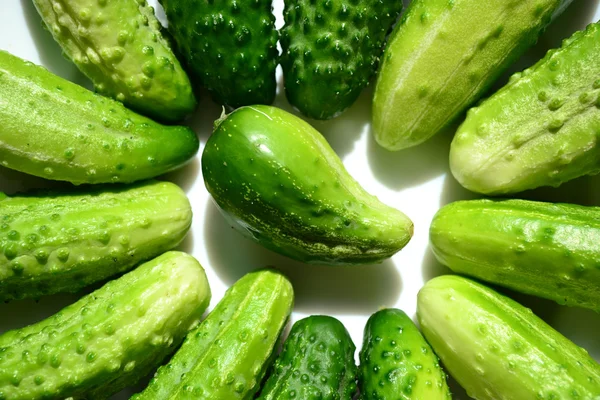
{"x":13,"y":182}
{"x":186,"y":176}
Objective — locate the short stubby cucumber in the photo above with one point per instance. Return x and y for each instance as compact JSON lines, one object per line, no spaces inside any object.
{"x":277,"y":180}
{"x":52,"y":128}
{"x":397,"y":363}
{"x":60,"y":242}
{"x":118,"y":44}
{"x":443,"y":56}
{"x":227,"y":355}
{"x":497,"y":349}
{"x":544,"y":249}
{"x":331,"y":50}
{"x":317,"y":363}
{"x":110,"y":338}
{"x":539,"y":130}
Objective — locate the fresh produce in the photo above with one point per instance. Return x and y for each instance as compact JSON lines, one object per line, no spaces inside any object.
{"x":108,"y":339}
{"x":227,"y":355}
{"x":52,"y":128}
{"x":118,"y":44}
{"x":279,"y":183}
{"x":61,"y":242}
{"x":443,"y":56}
{"x":498,"y":349}
{"x":539,"y":130}
{"x":229,"y":46}
{"x":317,"y":363}
{"x":331,"y":50}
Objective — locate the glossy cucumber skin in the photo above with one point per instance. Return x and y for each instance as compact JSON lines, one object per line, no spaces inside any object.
{"x":499,"y":350}
{"x":443,"y":56}
{"x":119,"y":46}
{"x":110,"y":338}
{"x":62,"y":242}
{"x":227,"y":355}
{"x":278,"y":181}
{"x":539,"y":130}
{"x":57,"y":130}
{"x":397,"y":363}
{"x":317,"y":363}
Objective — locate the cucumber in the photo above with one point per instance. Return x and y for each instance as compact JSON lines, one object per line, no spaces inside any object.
{"x":397,"y":363}
{"x":118,"y":45}
{"x":317,"y":363}
{"x":227,"y":355}
{"x":108,"y":339}
{"x":61,"y":242}
{"x":547,"y":250}
{"x":52,"y":128}
{"x":277,"y":181}
{"x":443,"y":56}
{"x":539,"y":130}
{"x":499,"y":350}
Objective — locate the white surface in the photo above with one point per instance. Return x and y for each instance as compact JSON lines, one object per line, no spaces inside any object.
{"x":416,"y":181}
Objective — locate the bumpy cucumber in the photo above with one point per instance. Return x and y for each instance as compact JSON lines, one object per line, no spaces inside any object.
{"x":278,"y":181}
{"x":548,"y":250}
{"x":397,"y":363}
{"x":443,"y":56}
{"x":57,"y":130}
{"x":56,"y":242}
{"x":108,"y":339}
{"x":317,"y":363}
{"x":119,"y":46}
{"x":539,"y":130}
{"x":498,"y":349}
{"x":227,"y":355}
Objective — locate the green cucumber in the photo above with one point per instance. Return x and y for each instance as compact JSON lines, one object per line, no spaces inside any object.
{"x":443,"y":56}
{"x":544,"y":249}
{"x":227,"y":355}
{"x":541,"y":129}
{"x":61,"y":242}
{"x":277,"y":180}
{"x":499,"y":350}
{"x":317,"y":363}
{"x":397,"y":363}
{"x":110,"y":338}
{"x":118,"y":44}
{"x":52,"y":128}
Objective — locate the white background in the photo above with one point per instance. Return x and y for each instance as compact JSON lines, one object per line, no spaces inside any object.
{"x":417,"y":181}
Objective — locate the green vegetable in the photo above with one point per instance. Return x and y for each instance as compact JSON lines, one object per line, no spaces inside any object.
{"x":539,"y":130}
{"x":227,"y":355}
{"x":60,"y":242}
{"x":443,"y":56}
{"x":498,"y":349}
{"x":317,"y":363}
{"x":331,"y":50}
{"x":397,"y":363}
{"x":57,"y":130}
{"x":278,"y":182}
{"x":108,"y":339}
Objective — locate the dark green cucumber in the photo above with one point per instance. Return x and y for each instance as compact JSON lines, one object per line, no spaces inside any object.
{"x":52,"y":128}
{"x":497,"y":349}
{"x":227,"y":355}
{"x":61,"y":242}
{"x":278,"y":181}
{"x":119,"y":46}
{"x":397,"y":363}
{"x":110,"y":338}
{"x":543,"y":249}
{"x":317,"y":363}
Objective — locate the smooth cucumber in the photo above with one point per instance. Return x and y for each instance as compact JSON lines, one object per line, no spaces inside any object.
{"x":110,"y":338}
{"x":52,"y":128}
{"x":499,"y":350}
{"x":277,"y":180}
{"x":61,"y":242}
